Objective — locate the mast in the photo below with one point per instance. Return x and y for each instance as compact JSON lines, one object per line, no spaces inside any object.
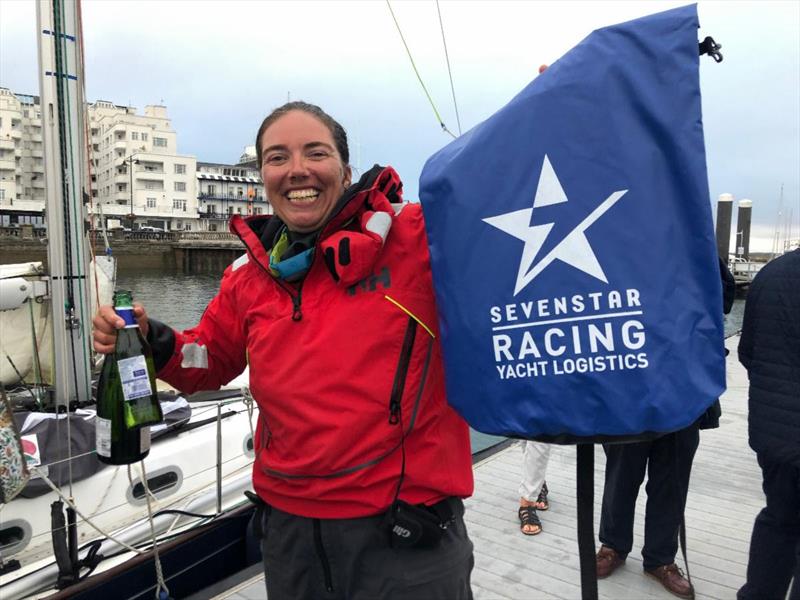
{"x":65,"y":162}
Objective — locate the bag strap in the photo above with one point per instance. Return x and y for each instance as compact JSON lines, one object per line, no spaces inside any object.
{"x":585,"y":493}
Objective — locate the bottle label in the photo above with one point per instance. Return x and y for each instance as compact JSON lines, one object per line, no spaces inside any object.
{"x":102,"y":434}
{"x":144,"y":440}
{"x":126,"y":312}
{"x":134,"y":377}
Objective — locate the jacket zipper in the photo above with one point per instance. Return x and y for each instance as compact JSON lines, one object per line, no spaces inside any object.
{"x":399,"y":383}
{"x":323,"y":558}
{"x":266,"y":434}
{"x":297,"y":313}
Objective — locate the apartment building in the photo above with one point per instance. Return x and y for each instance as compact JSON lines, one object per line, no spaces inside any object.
{"x":138,"y":177}
{"x":21,"y":160}
{"x":225,"y":190}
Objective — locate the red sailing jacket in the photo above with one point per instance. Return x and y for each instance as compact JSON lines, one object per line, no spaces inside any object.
{"x":346,"y":368}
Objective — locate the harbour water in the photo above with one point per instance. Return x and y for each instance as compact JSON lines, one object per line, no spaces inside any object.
{"x":179,"y":300}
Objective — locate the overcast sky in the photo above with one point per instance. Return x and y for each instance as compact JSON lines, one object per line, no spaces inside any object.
{"x":220,"y":67}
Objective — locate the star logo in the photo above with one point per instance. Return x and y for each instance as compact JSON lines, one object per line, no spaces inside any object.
{"x":573,"y":250}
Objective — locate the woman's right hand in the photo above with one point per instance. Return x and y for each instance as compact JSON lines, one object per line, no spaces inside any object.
{"x":106,"y":322}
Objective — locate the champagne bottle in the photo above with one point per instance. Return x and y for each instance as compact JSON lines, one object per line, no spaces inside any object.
{"x":126,"y":393}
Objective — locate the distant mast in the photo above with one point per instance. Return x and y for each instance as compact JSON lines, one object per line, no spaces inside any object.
{"x":724,"y":215}
{"x":65,"y":166}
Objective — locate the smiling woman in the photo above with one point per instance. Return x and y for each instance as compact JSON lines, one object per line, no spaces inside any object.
{"x":358,"y":455}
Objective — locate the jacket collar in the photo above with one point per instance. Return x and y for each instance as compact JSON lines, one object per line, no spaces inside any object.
{"x":376,"y":188}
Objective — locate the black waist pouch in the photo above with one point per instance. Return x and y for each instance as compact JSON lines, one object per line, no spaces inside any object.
{"x":418,"y":526}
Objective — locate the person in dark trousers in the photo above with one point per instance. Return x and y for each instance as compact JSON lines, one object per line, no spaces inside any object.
{"x":664,"y":459}
{"x":769,"y":348}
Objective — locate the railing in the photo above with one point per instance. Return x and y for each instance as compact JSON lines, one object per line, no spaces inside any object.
{"x":24,"y":231}
{"x":206,"y":235}
{"x":228,"y":197}
{"x":164,"y":236}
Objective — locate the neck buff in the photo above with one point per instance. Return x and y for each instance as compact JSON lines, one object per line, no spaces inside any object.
{"x":291,"y":254}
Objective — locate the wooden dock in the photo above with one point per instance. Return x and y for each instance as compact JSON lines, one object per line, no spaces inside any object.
{"x":724,"y":498}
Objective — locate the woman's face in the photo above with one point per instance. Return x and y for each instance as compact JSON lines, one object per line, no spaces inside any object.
{"x":302,"y":171}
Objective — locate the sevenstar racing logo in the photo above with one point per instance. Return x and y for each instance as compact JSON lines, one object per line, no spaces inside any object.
{"x":574,"y":249}
{"x":574,"y":332}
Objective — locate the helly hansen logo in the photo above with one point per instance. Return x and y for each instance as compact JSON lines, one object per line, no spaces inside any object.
{"x":371,"y":283}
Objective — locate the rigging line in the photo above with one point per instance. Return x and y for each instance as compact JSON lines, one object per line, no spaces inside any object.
{"x":77,"y":212}
{"x":87,"y":144}
{"x":449,"y":71}
{"x":416,"y":72}
{"x":57,"y":311}
{"x":62,"y":65}
{"x":72,"y":505}
{"x":172,"y":502}
{"x":162,"y":585}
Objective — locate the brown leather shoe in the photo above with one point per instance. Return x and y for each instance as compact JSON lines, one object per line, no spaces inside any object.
{"x":608,"y":560}
{"x":671,"y":577}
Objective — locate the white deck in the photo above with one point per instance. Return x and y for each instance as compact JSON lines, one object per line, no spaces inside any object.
{"x":724,"y":498}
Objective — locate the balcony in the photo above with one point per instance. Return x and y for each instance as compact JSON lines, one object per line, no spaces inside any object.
{"x":228,"y":197}
{"x":7,"y":165}
{"x":16,"y":134}
{"x":7,"y":144}
{"x":37,"y":153}
{"x":214,"y":215}
{"x":38,"y":182}
{"x":144,"y":173}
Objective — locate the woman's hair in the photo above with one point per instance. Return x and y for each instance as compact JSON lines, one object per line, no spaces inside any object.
{"x":337,"y":131}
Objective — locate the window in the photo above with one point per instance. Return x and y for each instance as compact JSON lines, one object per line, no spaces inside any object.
{"x":2,"y":194}
{"x":211,"y":190}
{"x":134,"y":135}
{"x":180,"y":186}
{"x":151,"y":203}
{"x":180,"y":169}
{"x":144,"y":137}
{"x":230,"y":210}
{"x":159,"y":142}
{"x":257,"y":210}
{"x":211,"y":209}
{"x":179,"y":204}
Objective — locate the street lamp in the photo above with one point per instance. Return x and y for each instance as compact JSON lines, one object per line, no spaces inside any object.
{"x":130,"y":162}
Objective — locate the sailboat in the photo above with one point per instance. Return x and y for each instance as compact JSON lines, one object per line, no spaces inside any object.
{"x":199,"y":465}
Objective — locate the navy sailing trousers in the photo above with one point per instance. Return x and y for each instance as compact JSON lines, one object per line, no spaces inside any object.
{"x":351,"y":559}
{"x":668,"y":462}
{"x":775,"y":544}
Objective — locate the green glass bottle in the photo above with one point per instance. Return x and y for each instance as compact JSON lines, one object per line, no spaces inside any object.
{"x":126,"y":393}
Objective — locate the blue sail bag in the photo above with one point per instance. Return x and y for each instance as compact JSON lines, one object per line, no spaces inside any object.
{"x":573,"y":248}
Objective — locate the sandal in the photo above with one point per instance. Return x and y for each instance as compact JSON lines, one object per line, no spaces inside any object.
{"x":527,"y":516}
{"x":541,"y":501}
